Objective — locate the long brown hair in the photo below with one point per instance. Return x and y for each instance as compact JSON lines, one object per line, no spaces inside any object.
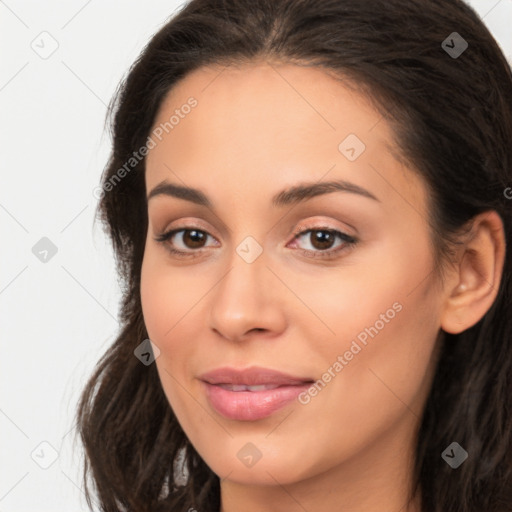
{"x":452,"y":118}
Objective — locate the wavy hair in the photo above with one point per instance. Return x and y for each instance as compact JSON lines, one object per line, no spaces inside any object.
{"x":452,"y":119}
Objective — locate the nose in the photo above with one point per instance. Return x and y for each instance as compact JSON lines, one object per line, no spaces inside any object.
{"x":248,"y":299}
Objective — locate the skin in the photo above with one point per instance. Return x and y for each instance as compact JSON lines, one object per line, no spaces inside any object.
{"x":257,"y":129}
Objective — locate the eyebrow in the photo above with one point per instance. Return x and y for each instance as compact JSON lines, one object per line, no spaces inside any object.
{"x":289,"y":196}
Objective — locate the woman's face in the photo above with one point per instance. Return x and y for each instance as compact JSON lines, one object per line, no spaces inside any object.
{"x":349,"y":312}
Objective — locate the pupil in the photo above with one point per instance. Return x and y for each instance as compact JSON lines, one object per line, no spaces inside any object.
{"x":321,"y":239}
{"x":195,"y":237}
{"x":324,"y":240}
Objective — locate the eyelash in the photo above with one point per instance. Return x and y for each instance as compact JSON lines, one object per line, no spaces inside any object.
{"x":350,"y":242}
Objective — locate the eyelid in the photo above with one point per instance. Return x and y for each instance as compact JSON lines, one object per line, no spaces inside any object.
{"x":349,"y":241}
{"x":187,"y":223}
{"x":318,"y":225}
{"x":308,"y":225}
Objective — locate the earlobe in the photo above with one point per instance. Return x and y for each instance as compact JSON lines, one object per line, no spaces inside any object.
{"x":477,"y":274}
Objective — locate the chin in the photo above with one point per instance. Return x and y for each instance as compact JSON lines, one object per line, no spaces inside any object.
{"x":266,"y":465}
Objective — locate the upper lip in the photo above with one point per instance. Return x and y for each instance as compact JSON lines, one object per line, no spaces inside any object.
{"x":253,"y":376}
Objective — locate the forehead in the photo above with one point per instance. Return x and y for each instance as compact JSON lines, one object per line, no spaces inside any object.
{"x":276,"y":96}
{"x":264,"y":122}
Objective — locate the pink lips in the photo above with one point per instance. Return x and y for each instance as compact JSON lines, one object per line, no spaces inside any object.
{"x":251,"y":394}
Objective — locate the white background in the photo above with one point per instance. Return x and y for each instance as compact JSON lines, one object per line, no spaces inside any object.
{"x":57,"y":318}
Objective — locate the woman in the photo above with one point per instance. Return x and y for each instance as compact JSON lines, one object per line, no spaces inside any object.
{"x":308,"y":205}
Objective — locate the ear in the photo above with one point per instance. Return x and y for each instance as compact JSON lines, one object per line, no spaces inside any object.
{"x":476,"y":276}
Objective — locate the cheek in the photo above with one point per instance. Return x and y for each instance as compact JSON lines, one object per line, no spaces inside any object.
{"x":381,"y":315}
{"x":385,"y":292}
{"x":161,"y":308}
{"x":168,"y":297}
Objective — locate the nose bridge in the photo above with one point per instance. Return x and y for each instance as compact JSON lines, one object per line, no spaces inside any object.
{"x":241,"y":286}
{"x":241,"y":300}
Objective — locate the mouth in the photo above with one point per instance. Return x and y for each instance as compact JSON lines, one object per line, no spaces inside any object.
{"x":251,"y":394}
{"x":251,"y":377}
{"x":242,"y":387}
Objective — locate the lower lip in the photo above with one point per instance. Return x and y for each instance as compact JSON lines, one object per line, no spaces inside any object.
{"x":251,"y":405}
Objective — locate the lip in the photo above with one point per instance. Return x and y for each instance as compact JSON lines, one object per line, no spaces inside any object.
{"x":247,"y":405}
{"x":253,"y":376}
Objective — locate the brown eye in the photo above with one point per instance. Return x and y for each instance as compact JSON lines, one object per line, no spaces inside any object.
{"x":322,"y":239}
{"x":193,"y":238}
